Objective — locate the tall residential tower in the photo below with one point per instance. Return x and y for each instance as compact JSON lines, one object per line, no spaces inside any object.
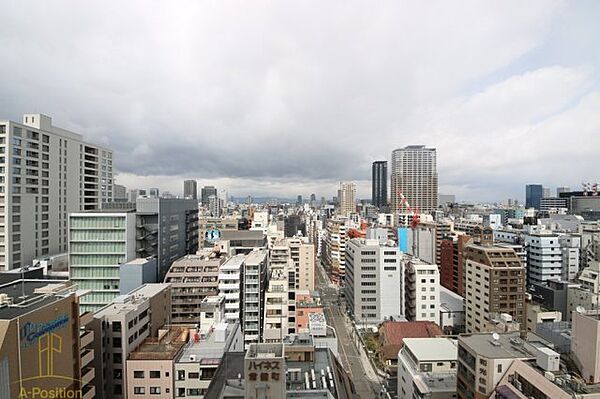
{"x":379,"y":184}
{"x":46,"y":173}
{"x":414,"y":174}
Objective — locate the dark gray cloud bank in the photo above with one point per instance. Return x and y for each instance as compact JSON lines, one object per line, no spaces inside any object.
{"x":285,"y":98}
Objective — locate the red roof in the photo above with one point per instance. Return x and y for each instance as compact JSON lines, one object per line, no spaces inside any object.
{"x":392,"y":334}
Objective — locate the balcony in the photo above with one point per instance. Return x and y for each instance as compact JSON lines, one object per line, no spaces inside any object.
{"x":87,"y":355}
{"x":86,"y":338}
{"x":86,"y":318}
{"x":88,"y":392}
{"x":87,"y":375}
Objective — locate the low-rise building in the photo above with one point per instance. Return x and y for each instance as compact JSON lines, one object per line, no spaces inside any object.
{"x":120,"y":327}
{"x":427,"y":368}
{"x":392,"y":335}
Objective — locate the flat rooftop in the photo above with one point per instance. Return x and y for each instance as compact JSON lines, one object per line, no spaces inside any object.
{"x":34,"y":298}
{"x":131,"y":301}
{"x":242,"y":235}
{"x":432,"y":349}
{"x":207,"y":350}
{"x":255,"y":257}
{"x":165,"y":348}
{"x":502,"y":348}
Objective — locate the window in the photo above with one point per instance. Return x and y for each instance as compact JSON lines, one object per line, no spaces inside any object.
{"x":154,"y":390}
{"x":116,"y":326}
{"x":425,"y":367}
{"x":154,"y":374}
{"x":139,"y":391}
{"x":193,"y":376}
{"x":116,"y":342}
{"x":499,"y":368}
{"x":138,"y":374}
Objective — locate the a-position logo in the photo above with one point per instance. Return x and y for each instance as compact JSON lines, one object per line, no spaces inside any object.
{"x":49,"y":348}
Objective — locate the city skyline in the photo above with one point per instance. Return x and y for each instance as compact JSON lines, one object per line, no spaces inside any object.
{"x":515,"y":94}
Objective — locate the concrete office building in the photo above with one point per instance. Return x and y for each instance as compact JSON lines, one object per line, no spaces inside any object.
{"x":119,"y":193}
{"x":379,"y":184}
{"x":347,"y":198}
{"x":427,"y":368}
{"x":100,"y":242}
{"x":45,"y":173}
{"x":168,"y":230}
{"x":544,"y":258}
{"x":214,"y":206}
{"x":193,"y":278}
{"x":483,"y":360}
{"x":255,"y":283}
{"x":230,"y":285}
{"x":190,"y":189}
{"x":120,"y":327}
{"x":422,"y":290}
{"x":374,"y":281}
{"x":45,"y":346}
{"x":414,"y":174}
{"x":197,"y":362}
{"x":533,"y":195}
{"x":206,"y":192}
{"x":143,"y":193}
{"x":495,"y":284}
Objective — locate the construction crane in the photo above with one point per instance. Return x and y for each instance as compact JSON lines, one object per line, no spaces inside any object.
{"x":415,"y":220}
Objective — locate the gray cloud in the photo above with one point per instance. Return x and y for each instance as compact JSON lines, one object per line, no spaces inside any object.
{"x":290,"y":97}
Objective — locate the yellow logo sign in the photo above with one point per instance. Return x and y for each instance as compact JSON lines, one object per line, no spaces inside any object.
{"x":49,"y":345}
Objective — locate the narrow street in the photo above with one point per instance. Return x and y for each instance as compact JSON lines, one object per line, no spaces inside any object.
{"x":359,"y":368}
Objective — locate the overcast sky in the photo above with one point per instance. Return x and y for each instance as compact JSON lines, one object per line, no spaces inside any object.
{"x":290,"y":97}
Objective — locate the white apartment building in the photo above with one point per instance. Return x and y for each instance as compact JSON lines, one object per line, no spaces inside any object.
{"x":427,"y":368}
{"x":303,"y":256}
{"x":347,"y":198}
{"x":422,"y":286}
{"x":46,"y":173}
{"x":99,"y":243}
{"x":544,"y":258}
{"x":374,"y":281}
{"x":570,"y":246}
{"x":334,"y":254}
{"x":120,"y":327}
{"x":255,"y":280}
{"x":230,"y":285}
{"x":414,"y":174}
{"x":280,"y":303}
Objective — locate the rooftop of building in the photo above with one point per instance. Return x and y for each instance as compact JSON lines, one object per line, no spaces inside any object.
{"x":507,"y":346}
{"x":393,"y":333}
{"x":131,"y":301}
{"x":234,"y":263}
{"x":432,"y":349}
{"x":37,"y":294}
{"x":208,"y":348}
{"x":256,"y":256}
{"x":264,"y":351}
{"x":242,"y":235}
{"x":164,"y":347}
{"x":451,"y":301}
